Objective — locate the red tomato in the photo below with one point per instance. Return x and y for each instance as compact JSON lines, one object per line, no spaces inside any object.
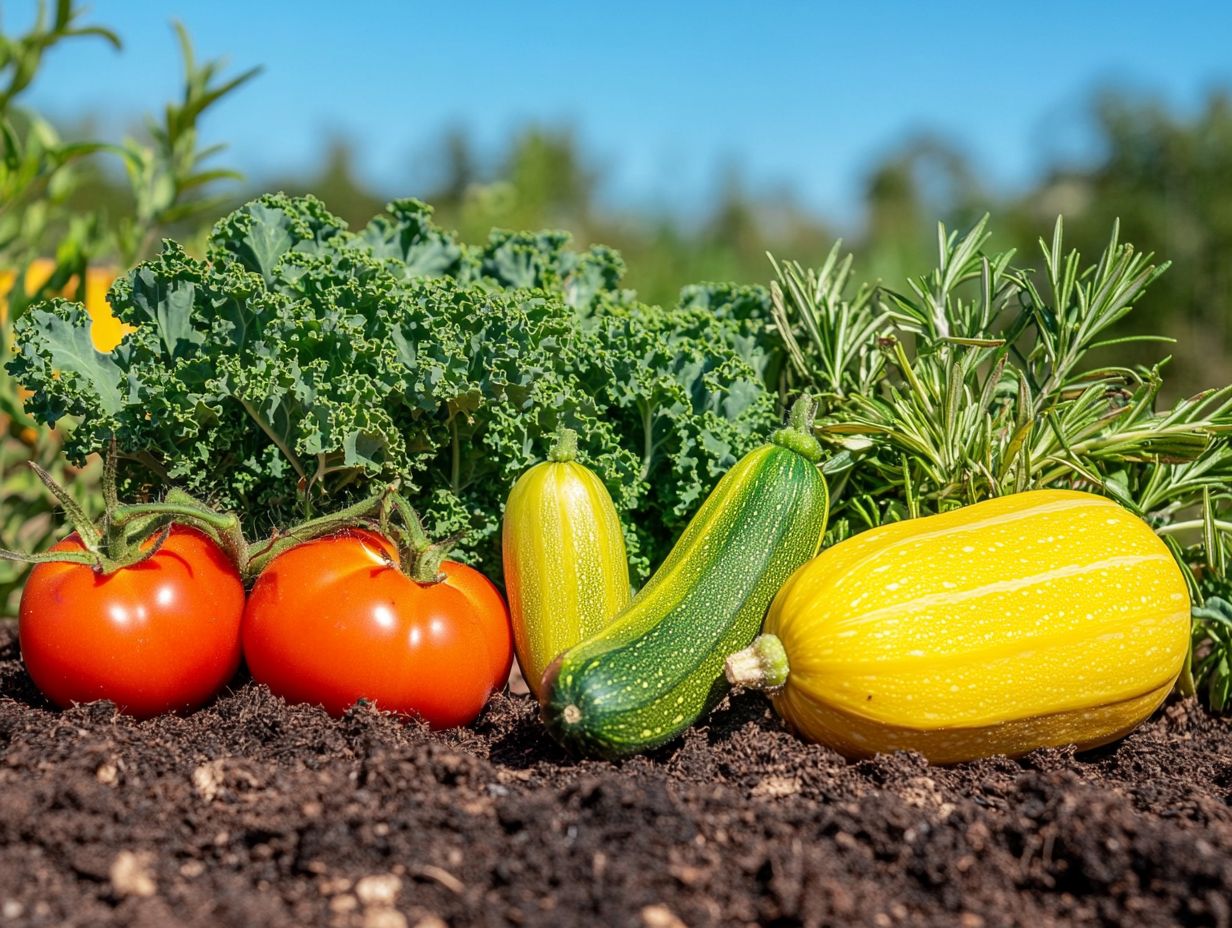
{"x":334,"y":620}
{"x":159,"y":636}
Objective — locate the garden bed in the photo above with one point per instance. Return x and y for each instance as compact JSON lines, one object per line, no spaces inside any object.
{"x":251,"y":812}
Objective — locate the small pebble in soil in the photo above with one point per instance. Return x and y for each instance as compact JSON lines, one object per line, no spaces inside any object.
{"x":379,"y":890}
{"x":384,"y":918}
{"x":660,"y":916}
{"x":431,"y":921}
{"x":343,"y":904}
{"x":130,"y":874}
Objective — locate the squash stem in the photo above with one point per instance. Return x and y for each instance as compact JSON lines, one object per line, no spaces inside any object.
{"x":802,"y":412}
{"x":797,"y":435}
{"x":565,"y":448}
{"x":761,"y":666}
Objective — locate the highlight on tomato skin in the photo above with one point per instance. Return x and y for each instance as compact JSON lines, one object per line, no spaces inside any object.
{"x":158,"y":636}
{"x":334,"y":620}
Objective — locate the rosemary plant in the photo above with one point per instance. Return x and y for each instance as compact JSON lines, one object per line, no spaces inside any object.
{"x":982,"y":378}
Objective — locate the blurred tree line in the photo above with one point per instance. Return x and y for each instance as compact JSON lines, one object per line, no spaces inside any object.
{"x":1167,"y":176}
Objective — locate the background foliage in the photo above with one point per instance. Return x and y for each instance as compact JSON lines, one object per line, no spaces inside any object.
{"x":1164,"y":175}
{"x":55,"y":239}
{"x":299,"y":364}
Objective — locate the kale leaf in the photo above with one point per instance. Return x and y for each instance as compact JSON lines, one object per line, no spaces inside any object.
{"x":300,"y":363}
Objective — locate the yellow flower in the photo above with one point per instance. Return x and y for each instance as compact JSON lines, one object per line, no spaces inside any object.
{"x":106,"y":331}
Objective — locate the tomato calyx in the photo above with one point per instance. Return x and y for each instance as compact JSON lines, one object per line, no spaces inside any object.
{"x":389,"y":514}
{"x":128,"y":534}
{"x":421,"y":557}
{"x":364,"y":514}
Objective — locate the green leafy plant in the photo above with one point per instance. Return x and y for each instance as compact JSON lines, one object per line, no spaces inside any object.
{"x":42,"y":180}
{"x":1212,"y":644}
{"x":299,"y":362}
{"x":167,"y":172}
{"x":984,"y":378}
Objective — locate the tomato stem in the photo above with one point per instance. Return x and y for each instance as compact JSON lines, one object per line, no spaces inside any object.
{"x":421,"y":557}
{"x":420,"y":561}
{"x":119,"y":538}
{"x":223,"y":528}
{"x":351,"y":517}
{"x":412,"y":523}
{"x":133,"y":523}
{"x":145,"y":554}
{"x":111,"y":499}
{"x":426,"y":565}
{"x":88,"y":559}
{"x":81,"y":523}
{"x":123,"y":515}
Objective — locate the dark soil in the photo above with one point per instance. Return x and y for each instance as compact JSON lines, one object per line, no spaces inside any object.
{"x":252,"y":813}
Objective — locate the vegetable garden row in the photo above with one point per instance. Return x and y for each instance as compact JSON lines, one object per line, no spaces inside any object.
{"x":326,"y":387}
{"x":286,"y":465}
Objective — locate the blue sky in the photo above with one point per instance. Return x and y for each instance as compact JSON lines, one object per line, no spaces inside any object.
{"x":663,"y":95}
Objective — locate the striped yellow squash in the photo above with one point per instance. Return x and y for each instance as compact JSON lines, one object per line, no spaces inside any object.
{"x":1043,"y":618}
{"x":566,"y":569}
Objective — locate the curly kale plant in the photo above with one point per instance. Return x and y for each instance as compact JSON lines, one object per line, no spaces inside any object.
{"x":299,"y":363}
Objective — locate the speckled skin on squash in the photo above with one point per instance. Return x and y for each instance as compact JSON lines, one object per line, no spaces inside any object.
{"x":566,"y":570}
{"x":1043,"y":618}
{"x":659,"y":666}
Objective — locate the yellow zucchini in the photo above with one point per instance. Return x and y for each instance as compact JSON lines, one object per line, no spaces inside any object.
{"x":1038,"y":619}
{"x":566,"y":569}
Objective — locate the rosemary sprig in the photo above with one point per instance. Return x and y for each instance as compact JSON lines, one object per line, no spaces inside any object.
{"x":977,"y":380}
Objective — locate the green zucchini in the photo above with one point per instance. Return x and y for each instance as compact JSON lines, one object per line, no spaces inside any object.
{"x":658,"y":666}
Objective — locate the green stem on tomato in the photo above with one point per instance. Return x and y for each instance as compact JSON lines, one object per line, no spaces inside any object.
{"x":425,"y":566}
{"x":412,"y":523}
{"x":89,"y":559}
{"x":76,"y":515}
{"x":145,"y":553}
{"x":111,"y":499}
{"x":421,"y":557}
{"x":187,"y":513}
{"x":330,"y":524}
{"x":225,"y":529}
